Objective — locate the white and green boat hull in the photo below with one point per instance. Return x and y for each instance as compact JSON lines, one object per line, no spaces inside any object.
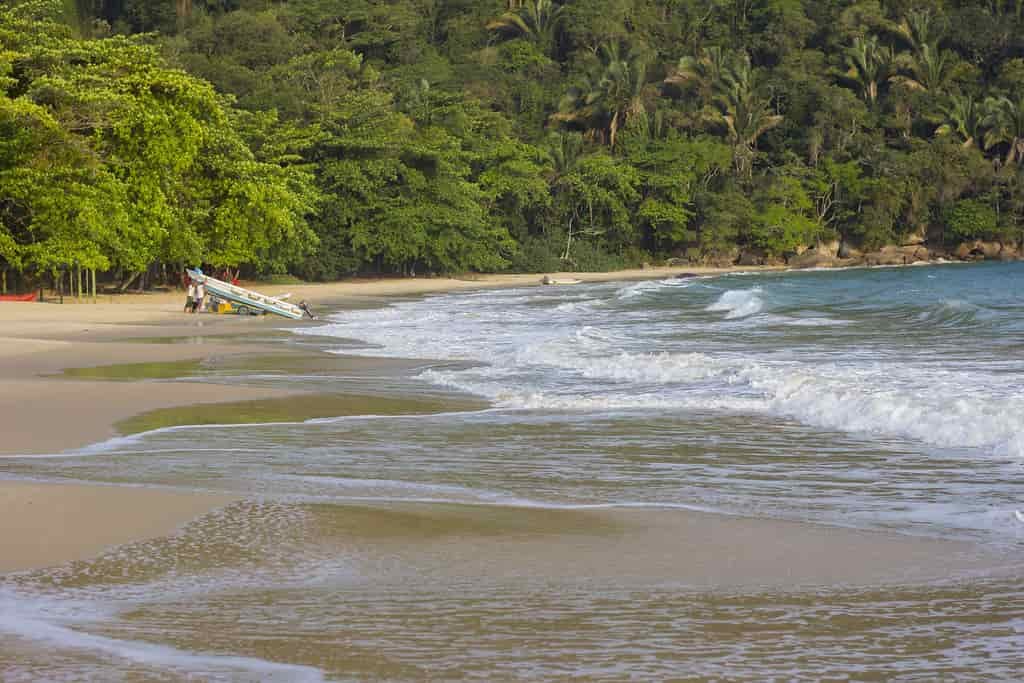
{"x":246,"y":297}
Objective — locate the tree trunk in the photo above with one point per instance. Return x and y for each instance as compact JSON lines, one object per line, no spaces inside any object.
{"x":568,"y":242}
{"x":128,"y":283}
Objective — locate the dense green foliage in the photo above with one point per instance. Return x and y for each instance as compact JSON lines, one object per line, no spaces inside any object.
{"x":330,"y":137}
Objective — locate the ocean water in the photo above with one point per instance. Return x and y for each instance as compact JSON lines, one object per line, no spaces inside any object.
{"x":797,"y":475}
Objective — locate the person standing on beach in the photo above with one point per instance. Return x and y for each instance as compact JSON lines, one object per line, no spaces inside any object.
{"x":191,"y":297}
{"x":197,"y":303}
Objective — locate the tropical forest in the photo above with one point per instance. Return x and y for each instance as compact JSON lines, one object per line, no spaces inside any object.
{"x":333,"y":138}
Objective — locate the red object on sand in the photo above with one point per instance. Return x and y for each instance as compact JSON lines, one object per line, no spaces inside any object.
{"x":18,"y":297}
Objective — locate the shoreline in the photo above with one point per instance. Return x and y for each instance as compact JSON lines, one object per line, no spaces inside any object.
{"x":50,"y":523}
{"x":43,"y":411}
{"x":39,"y":341}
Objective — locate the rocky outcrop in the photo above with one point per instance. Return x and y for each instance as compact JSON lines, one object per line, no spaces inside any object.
{"x":813,"y":258}
{"x":754,"y":256}
{"x":914,"y":239}
{"x":829,"y":248}
{"x":896,"y":256}
{"x":978,"y":250}
{"x":723,"y":259}
{"x":1011,"y":252}
{"x":839,"y":254}
{"x":751,"y":256}
{"x":848,"y":252}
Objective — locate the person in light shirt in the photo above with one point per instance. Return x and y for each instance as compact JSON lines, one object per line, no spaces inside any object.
{"x":191,"y":297}
{"x":200,"y":296}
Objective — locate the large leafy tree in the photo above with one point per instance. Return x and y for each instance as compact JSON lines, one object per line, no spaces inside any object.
{"x":153,"y":168}
{"x":421,"y":135}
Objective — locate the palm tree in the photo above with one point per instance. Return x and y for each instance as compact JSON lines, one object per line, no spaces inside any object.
{"x":1005,"y":123}
{"x":1013,"y":8}
{"x":537,"y":21}
{"x":747,"y":116}
{"x":728,"y":83}
{"x":746,"y":113}
{"x":706,"y":71}
{"x":609,"y":97}
{"x":961,"y":116}
{"x":621,"y":87}
{"x":920,"y":28}
{"x":928,"y":70}
{"x":565,"y":149}
{"x":869,"y":65}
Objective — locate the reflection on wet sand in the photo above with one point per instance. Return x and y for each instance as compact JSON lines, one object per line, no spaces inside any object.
{"x":466,"y":591}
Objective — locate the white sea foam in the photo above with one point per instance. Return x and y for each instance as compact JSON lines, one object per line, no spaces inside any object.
{"x":739,"y":303}
{"x":638,"y":289}
{"x":33,"y":621}
{"x":543,"y":359}
{"x":881,"y":400}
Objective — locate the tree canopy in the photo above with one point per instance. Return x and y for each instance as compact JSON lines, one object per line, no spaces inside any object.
{"x":332,"y":137}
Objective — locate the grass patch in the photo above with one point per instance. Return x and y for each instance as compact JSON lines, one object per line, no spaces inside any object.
{"x":288,"y":409}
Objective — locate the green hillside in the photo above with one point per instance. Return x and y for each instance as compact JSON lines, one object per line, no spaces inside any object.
{"x":332,"y":137}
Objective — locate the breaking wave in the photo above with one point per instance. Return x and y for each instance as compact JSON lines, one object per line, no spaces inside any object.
{"x":659,"y":345}
{"x":738,"y":303}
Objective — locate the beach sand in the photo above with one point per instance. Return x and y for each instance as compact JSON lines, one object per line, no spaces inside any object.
{"x":43,"y":413}
{"x":43,"y":524}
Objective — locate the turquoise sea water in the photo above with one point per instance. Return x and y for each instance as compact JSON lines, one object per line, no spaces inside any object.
{"x":885,"y":400}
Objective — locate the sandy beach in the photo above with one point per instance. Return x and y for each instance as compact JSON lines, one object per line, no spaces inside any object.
{"x":578,"y":473}
{"x":43,"y":524}
{"x":42,"y":412}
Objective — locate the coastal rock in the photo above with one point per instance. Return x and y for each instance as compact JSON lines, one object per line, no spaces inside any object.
{"x":812,"y":259}
{"x":752,"y":256}
{"x":886,"y":256}
{"x":917,"y":253}
{"x":978,"y":250}
{"x":830,"y":248}
{"x":991,"y":250}
{"x":893,"y":255}
{"x":914,"y":239}
{"x":722,"y":259}
{"x":845,"y":251}
{"x":963,"y":250}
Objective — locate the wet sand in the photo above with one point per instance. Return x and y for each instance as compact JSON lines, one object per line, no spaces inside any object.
{"x":640,"y":547}
{"x":46,"y":523}
{"x":41,"y":412}
{"x":44,"y":413}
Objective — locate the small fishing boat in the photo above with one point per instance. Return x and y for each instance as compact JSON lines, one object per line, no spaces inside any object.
{"x":18,"y":297}
{"x":548,"y":280}
{"x":250,"y":299}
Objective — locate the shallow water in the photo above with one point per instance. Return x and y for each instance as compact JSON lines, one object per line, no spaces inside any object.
{"x":792,"y":475}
